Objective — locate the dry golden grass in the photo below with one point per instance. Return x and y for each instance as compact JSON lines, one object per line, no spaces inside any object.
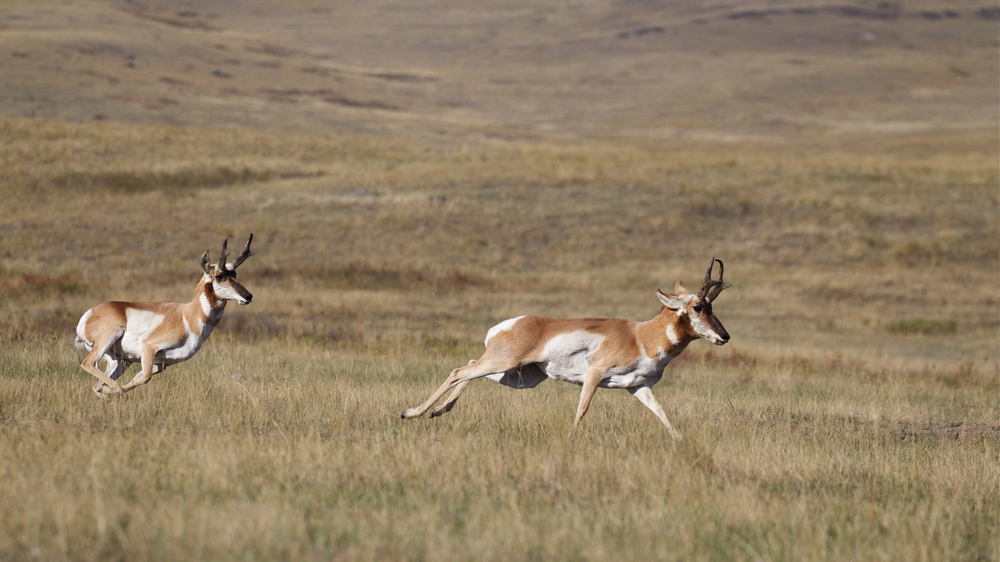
{"x":301,"y":457}
{"x":829,"y":429}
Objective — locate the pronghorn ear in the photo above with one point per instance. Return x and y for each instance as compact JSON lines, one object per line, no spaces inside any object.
{"x":205,"y":264}
{"x":680,"y":290}
{"x":673,"y":302}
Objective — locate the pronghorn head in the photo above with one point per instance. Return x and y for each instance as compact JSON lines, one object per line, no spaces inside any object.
{"x":698,"y":307}
{"x":223,"y":274}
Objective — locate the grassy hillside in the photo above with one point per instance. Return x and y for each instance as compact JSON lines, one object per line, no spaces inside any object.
{"x":739,"y":73}
{"x":838,"y":253}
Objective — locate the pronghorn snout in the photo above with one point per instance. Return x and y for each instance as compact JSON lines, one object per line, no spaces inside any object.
{"x":717,"y":333}
{"x":243,"y":296}
{"x":233,"y":292}
{"x":720,"y":333}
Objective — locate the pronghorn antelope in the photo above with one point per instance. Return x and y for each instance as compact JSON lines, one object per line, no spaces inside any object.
{"x":592,"y":352}
{"x":157,"y":334}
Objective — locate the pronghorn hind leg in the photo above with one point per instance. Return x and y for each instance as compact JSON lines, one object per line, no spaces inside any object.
{"x":449,"y":403}
{"x":96,"y":353}
{"x":114,"y":369}
{"x":453,"y":378}
{"x":474,"y":370}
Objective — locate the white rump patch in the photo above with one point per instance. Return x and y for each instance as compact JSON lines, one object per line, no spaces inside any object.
{"x":82,"y":343}
{"x":504,"y":326}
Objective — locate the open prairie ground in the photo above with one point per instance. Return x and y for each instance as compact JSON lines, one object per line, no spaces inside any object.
{"x":854,"y":415}
{"x":414,"y":176}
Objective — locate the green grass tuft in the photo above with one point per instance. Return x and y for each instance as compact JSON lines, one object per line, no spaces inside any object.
{"x":923,"y":327}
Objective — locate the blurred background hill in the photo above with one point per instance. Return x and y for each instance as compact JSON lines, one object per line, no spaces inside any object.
{"x":719,"y":71}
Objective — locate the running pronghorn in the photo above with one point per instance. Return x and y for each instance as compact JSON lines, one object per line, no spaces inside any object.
{"x":592,"y":352}
{"x":157,"y":334}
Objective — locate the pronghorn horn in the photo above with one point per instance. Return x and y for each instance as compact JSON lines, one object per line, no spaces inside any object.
{"x":246,"y":253}
{"x":224,"y":254}
{"x":711,"y":288}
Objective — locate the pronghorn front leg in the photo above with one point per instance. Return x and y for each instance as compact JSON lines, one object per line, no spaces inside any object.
{"x":593,"y":378}
{"x":474,"y":370}
{"x":645,"y":395}
{"x":148,"y":369}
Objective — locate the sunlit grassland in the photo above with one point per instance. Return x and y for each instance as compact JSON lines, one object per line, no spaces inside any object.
{"x":853,"y":416}
{"x":301,"y":454}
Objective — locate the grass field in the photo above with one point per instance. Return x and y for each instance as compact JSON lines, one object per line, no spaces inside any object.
{"x":416,"y":172}
{"x":300,"y":458}
{"x":853,"y":416}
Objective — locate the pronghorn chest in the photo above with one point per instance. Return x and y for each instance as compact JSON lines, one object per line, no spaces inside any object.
{"x":187,"y":348}
{"x":197,"y":328}
{"x":644,"y":370}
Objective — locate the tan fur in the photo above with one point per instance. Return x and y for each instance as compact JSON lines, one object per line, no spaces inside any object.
{"x":156,"y":334}
{"x":629,"y":354}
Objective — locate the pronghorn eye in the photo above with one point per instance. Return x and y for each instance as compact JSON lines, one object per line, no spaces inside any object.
{"x":697,"y":309}
{"x":218,"y":278}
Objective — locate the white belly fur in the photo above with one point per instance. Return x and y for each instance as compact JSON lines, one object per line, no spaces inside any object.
{"x":567,"y":358}
{"x":141,"y":324}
